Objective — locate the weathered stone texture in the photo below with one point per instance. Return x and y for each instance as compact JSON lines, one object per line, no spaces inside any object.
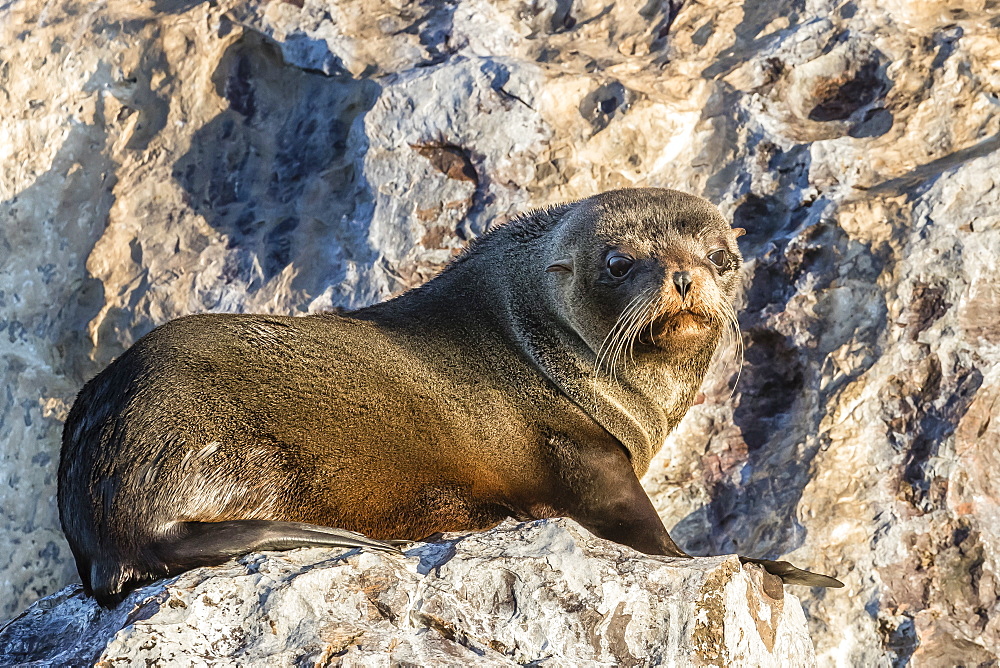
{"x":543,"y":592}
{"x":170,"y":157}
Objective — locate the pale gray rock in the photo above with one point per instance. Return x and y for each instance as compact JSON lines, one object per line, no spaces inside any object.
{"x":545,"y":593}
{"x":172,"y":157}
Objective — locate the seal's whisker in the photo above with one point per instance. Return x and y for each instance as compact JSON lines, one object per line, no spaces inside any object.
{"x":648,"y":316}
{"x":727,"y":344}
{"x":626,"y":335}
{"x":740,"y":348}
{"x":731,"y":330}
{"x":607,"y":344}
{"x":621,"y":336}
{"x":602,"y":351}
{"x":657,"y":312}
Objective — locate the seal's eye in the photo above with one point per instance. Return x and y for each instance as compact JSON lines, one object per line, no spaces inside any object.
{"x":619,"y":265}
{"x":718,"y":258}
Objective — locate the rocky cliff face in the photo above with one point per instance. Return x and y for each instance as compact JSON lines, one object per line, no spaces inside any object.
{"x":542,"y":593}
{"x":170,"y":157}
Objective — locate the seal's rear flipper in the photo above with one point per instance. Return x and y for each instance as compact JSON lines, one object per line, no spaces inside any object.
{"x":791,"y":575}
{"x":188,"y":545}
{"x":193,"y":544}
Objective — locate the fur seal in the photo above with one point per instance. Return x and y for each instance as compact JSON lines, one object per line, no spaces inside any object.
{"x":536,"y":376}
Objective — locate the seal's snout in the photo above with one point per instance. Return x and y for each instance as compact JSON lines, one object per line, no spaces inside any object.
{"x":686,"y":303}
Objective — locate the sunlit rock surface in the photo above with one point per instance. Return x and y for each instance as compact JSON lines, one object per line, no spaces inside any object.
{"x":545,"y":592}
{"x":170,"y":157}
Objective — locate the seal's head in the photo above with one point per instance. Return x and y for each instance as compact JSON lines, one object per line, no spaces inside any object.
{"x":646,"y":273}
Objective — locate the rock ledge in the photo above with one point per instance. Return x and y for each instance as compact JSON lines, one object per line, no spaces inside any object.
{"x":522,"y":594}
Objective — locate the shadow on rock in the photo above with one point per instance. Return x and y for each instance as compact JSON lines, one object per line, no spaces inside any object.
{"x":280,"y":172}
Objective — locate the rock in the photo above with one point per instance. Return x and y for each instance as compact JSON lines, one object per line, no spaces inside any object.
{"x":541,"y":592}
{"x":173,"y":157}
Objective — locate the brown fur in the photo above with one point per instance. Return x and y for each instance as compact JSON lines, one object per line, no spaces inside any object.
{"x":479,"y":395}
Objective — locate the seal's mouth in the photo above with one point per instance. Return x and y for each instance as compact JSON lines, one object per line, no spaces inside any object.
{"x":678,"y":324}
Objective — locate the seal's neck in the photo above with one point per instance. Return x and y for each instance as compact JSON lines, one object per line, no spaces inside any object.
{"x":640,"y":404}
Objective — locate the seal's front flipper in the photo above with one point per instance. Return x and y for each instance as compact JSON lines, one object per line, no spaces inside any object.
{"x":192,"y":544}
{"x":608,"y":500}
{"x":791,"y":575}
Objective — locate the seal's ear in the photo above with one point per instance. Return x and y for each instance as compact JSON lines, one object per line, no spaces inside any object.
{"x":561,"y":265}
{"x":738,"y":232}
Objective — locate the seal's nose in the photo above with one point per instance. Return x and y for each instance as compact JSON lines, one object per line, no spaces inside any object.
{"x":682,"y":280}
